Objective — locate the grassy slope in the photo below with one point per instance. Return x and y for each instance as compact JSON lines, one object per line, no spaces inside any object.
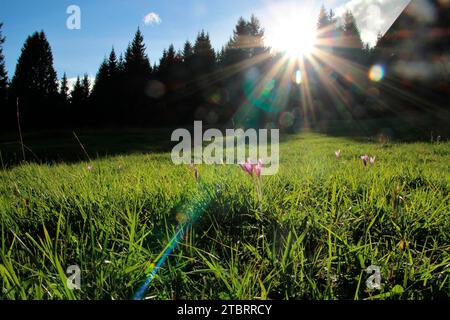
{"x":324,"y":222}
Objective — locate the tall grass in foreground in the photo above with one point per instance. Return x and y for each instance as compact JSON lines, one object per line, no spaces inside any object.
{"x":324,"y":221}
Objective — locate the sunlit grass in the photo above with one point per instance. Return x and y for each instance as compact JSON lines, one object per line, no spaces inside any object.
{"x":325,"y":220}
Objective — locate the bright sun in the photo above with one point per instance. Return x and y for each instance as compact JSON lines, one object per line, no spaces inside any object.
{"x":293,"y":33}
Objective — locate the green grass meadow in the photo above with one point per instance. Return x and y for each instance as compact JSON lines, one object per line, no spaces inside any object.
{"x":321,"y":223}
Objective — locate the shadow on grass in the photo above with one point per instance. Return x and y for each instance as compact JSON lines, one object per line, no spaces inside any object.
{"x":62,"y":146}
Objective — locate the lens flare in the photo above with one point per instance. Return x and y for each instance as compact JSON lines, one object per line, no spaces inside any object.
{"x":286,"y":119}
{"x":376,"y":73}
{"x":194,"y":210}
{"x":298,"y":77}
{"x":262,"y":94}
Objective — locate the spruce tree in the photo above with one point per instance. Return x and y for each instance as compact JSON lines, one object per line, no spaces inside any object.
{"x":352,"y":43}
{"x":113,"y":64}
{"x":204,"y":57}
{"x":246,"y":43}
{"x":101,"y":82}
{"x":86,"y":87}
{"x":35,"y":82}
{"x":5,"y":119}
{"x":63,"y":101}
{"x":323,"y":20}
{"x":168,"y":64}
{"x":235,"y":50}
{"x":121,"y":65}
{"x":82,"y":114}
{"x":188,"y":51}
{"x":3,"y":73}
{"x":76,"y":96}
{"x":100,"y":96}
{"x":136,"y":75}
{"x":136,"y":60}
{"x":64,"y":89}
{"x":256,"y":41}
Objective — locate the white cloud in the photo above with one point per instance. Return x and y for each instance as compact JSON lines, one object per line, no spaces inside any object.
{"x":152,"y":18}
{"x":373,"y":16}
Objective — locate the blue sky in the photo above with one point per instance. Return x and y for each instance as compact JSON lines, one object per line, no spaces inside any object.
{"x":107,"y":23}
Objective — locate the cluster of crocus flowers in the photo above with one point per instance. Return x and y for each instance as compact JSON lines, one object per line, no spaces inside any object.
{"x":338,"y":153}
{"x":252,"y":168}
{"x":368,"y":160}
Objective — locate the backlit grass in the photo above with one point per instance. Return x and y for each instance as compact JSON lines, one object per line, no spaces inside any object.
{"x":323,"y":222}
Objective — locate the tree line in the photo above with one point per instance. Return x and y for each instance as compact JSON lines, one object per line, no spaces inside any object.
{"x":244,"y":83}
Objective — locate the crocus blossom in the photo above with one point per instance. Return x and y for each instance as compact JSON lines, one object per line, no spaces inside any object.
{"x":251,"y":167}
{"x":338,"y":153}
{"x":365,"y":159}
{"x":368,"y":160}
{"x":247,"y":166}
{"x":257,"y":168}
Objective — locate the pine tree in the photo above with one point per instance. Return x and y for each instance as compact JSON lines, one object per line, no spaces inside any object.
{"x":64,"y":89}
{"x":169,"y":64}
{"x":324,"y":19}
{"x":243,"y":51}
{"x":64,"y":101}
{"x":256,"y":41}
{"x":137,"y":72}
{"x":326,"y":30}
{"x":80,"y":104}
{"x":3,"y":73}
{"x":34,"y":70}
{"x":352,"y":43}
{"x":329,"y":38}
{"x":240,"y":34}
{"x":162,"y":62}
{"x":77,"y":93}
{"x":188,"y":51}
{"x":101,"y":82}
{"x":235,"y":49}
{"x":136,"y":60}
{"x":246,"y":43}
{"x":105,"y":95}
{"x":81,"y":92}
{"x":35,"y":82}
{"x":204,"y":57}
{"x":5,"y":112}
{"x":121,"y":64}
{"x":113,"y":64}
{"x":332,"y":16}
{"x":221,"y":56}
{"x":86,"y":88}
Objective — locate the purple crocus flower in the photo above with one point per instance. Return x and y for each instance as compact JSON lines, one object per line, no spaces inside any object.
{"x":251,"y":167}
{"x":247,"y":167}
{"x":365,"y":159}
{"x":258,"y":167}
{"x":338,"y":153}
